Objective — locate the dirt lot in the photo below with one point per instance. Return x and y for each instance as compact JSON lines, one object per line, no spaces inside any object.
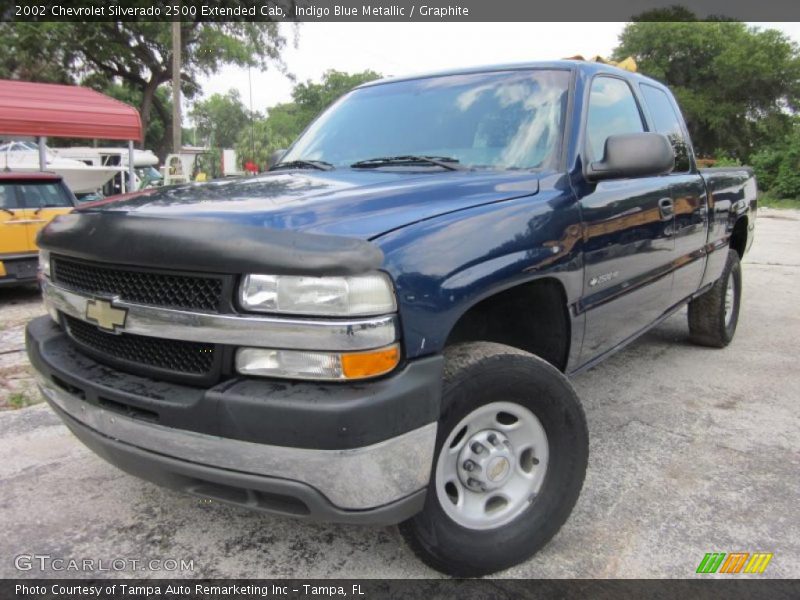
{"x":17,"y":307}
{"x":692,"y":451}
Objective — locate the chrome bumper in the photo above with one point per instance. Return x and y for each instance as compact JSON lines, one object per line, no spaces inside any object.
{"x":237,"y":330}
{"x":355,"y":479}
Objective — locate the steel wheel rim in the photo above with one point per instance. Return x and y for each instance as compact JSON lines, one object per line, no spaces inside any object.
{"x":512,"y":466}
{"x":730,"y":299}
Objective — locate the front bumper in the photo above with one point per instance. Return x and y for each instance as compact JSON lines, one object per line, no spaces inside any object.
{"x":381,"y":482}
{"x":18,"y":268}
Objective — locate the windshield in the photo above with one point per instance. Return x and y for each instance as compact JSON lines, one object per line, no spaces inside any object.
{"x":505,"y":120}
{"x":38,"y":194}
{"x":149,"y":173}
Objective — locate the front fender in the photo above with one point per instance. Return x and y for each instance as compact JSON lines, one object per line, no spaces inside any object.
{"x":444,"y":266}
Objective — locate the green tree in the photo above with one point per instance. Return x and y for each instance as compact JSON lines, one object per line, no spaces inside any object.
{"x":312,"y":98}
{"x":672,"y":13}
{"x":136,"y":54}
{"x":259,"y":146}
{"x":284,"y":122}
{"x":35,"y":52}
{"x":737,"y":85}
{"x":787,"y":181}
{"x":767,"y":163}
{"x":777,"y":166}
{"x":220,"y":119}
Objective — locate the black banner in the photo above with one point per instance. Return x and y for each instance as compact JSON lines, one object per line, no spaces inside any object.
{"x":392,"y":10}
{"x":373,"y":589}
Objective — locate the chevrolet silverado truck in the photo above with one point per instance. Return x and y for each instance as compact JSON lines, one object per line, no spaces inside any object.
{"x":380,"y":329}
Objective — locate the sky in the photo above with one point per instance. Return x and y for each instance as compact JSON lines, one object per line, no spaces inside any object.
{"x":405,"y":48}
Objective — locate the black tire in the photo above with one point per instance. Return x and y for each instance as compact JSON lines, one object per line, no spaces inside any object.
{"x":707,"y":323}
{"x":477,"y":374}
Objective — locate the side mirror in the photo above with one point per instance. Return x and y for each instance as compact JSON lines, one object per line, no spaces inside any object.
{"x":633,"y":155}
{"x":275,"y":158}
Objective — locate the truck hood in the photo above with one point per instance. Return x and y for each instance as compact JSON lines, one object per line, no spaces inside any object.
{"x":360,"y":204}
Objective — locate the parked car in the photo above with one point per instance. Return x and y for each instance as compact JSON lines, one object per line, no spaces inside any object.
{"x":380,"y":329}
{"x":28,"y":201}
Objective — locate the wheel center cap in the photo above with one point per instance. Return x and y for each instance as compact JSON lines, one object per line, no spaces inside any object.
{"x":498,"y":469}
{"x":486,"y":461}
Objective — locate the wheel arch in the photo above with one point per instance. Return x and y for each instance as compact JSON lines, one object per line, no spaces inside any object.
{"x":532,"y":316}
{"x":738,"y":239}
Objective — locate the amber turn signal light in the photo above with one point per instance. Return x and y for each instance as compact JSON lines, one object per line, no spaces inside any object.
{"x":360,"y":365}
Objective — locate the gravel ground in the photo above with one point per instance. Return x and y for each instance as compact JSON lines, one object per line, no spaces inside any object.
{"x":17,"y":306}
{"x":692,"y":451}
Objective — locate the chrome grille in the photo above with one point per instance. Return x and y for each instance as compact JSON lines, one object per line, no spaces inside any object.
{"x":154,"y":288}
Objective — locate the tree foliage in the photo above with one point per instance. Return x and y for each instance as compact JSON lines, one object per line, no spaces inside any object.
{"x":738,"y":86}
{"x":220,"y":118}
{"x":312,"y":98}
{"x":284,"y":122}
{"x":36,"y":52}
{"x":259,"y":146}
{"x":777,"y":166}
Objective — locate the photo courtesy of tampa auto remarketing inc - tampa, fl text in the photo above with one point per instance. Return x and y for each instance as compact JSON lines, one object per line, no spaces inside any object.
{"x":399,"y":299}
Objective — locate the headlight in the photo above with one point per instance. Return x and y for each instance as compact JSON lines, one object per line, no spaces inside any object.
{"x":44,"y":262}
{"x":331,"y":366}
{"x":369,"y":294}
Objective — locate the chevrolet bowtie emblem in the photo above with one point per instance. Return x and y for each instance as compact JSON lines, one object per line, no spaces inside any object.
{"x":104,"y":315}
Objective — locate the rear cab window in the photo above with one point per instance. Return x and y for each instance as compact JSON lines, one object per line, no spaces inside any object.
{"x":666,"y":120}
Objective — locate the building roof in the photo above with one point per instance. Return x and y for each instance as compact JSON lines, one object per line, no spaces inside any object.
{"x":46,"y":109}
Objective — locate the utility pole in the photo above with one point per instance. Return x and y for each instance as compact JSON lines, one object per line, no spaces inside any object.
{"x":252,"y":133}
{"x":176,"y":86}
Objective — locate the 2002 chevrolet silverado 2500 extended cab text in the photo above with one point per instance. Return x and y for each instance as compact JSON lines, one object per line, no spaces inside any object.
{"x":380,"y":329}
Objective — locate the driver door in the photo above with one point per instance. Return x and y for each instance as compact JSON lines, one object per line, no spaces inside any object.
{"x":628,"y":231}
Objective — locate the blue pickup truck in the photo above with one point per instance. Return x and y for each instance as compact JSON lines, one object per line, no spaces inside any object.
{"x":380,"y":329}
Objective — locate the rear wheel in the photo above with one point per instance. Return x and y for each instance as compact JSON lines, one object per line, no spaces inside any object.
{"x":713,"y":317}
{"x":511,"y":456}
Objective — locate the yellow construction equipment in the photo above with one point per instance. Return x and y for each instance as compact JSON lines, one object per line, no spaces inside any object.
{"x":628,"y":64}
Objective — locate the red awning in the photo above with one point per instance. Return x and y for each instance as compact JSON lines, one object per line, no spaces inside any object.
{"x":46,"y":109}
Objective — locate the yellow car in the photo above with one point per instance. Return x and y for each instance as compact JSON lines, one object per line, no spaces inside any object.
{"x":28,"y":202}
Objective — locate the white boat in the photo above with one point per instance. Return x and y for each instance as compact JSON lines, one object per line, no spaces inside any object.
{"x":145,"y":164}
{"x":108,"y":156}
{"x":79,"y":177}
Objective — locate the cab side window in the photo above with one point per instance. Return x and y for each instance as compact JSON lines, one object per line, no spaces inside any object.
{"x":667,"y":121}
{"x":612,"y":111}
{"x":8,"y":197}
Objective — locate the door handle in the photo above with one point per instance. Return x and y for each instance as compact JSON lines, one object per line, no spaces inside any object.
{"x":666,"y":208}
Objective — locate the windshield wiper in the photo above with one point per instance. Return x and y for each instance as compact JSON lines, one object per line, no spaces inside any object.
{"x":303,"y":164}
{"x":451,"y":164}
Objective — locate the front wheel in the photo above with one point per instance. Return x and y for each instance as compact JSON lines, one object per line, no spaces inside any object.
{"x":511,"y":455}
{"x":714,"y":315}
